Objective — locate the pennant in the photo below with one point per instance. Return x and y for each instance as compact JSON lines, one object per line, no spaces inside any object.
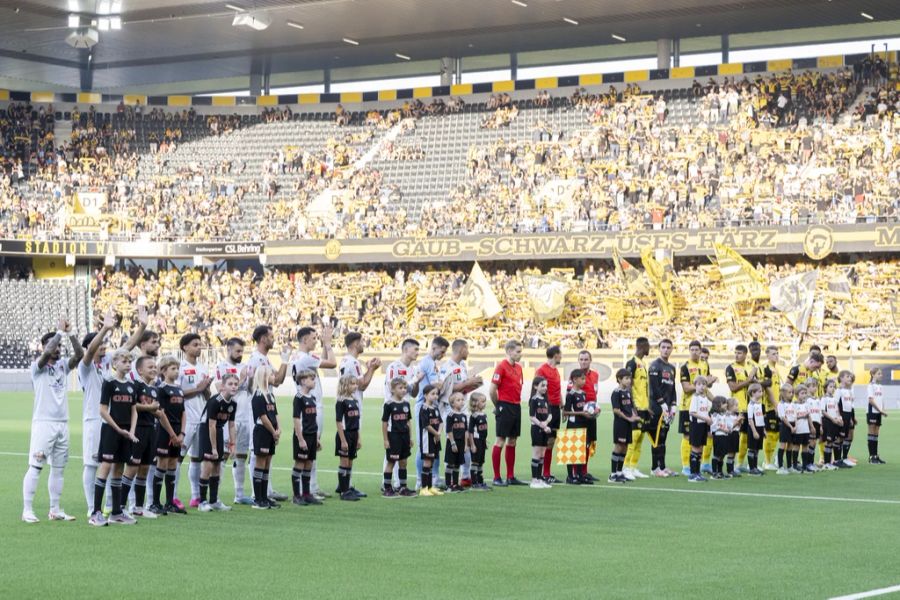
{"x":548,"y":295}
{"x":742,"y":279}
{"x":412,"y":298}
{"x":477,"y":299}
{"x":794,"y":297}
{"x":839,"y":287}
{"x":661,"y":280}
{"x":634,"y":280}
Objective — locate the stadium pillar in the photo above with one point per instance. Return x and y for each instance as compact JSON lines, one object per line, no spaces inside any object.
{"x":326,"y":81}
{"x":85,"y":70}
{"x":676,"y":52}
{"x":725,"y":48}
{"x":663,"y":53}
{"x":513,"y":66}
{"x":260,"y":68}
{"x":447,"y":70}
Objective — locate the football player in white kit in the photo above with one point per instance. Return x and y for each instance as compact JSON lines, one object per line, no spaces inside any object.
{"x":50,"y":422}
{"x":456,"y":369}
{"x":194,"y":380}
{"x":307,"y":338}
{"x":350,"y":365}
{"x":234,"y":354}
{"x":93,"y":368}
{"x":265,"y":340}
{"x":405,"y":368}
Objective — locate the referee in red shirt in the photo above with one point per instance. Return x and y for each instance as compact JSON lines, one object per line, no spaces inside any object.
{"x":506,"y":395}
{"x":550,"y":371}
{"x":590,"y":389}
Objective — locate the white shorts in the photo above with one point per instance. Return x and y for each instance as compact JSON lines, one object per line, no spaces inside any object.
{"x":90,"y":442}
{"x":242,"y":431}
{"x":191,"y":440}
{"x":49,"y":444}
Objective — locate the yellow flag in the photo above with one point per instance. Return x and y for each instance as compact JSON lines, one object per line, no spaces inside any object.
{"x":477,"y":299}
{"x":634,"y":280}
{"x":548,"y":295}
{"x":661,"y":280}
{"x":412,"y":297}
{"x":571,"y":446}
{"x":742,"y":279}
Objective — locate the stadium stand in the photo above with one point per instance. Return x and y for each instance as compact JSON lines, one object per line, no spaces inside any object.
{"x":814,"y":146}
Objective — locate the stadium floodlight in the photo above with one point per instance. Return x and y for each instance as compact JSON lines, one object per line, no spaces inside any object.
{"x":351,"y":42}
{"x":103,"y":24}
{"x":294,"y":24}
{"x":520,"y":3}
{"x":866,"y":15}
{"x":83,"y":38}
{"x":234,"y":7}
{"x":74,"y":21}
{"x":619,"y":37}
{"x":103,"y":7}
{"x":116,"y":7}
{"x":255,"y":20}
{"x":401,"y":56}
{"x":570,"y":21}
{"x":115,"y":23}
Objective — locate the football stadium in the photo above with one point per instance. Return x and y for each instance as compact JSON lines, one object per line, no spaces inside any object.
{"x":585,"y":299}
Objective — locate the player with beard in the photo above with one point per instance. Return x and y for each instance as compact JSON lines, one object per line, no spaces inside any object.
{"x":234,"y":355}
{"x":640,"y":395}
{"x":550,"y":372}
{"x":350,"y":365}
{"x":403,"y":368}
{"x":50,"y":421}
{"x":458,"y":371}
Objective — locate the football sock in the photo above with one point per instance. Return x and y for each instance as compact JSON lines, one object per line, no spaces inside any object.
{"x":426,"y":477}
{"x":873,"y":445}
{"x":127,"y":484}
{"x":213,"y":489}
{"x":751,"y":458}
{"x":742,"y":448}
{"x":204,"y":488}
{"x":88,"y":476}
{"x":239,"y":474}
{"x":401,"y":476}
{"x":448,"y":476}
{"x":171,"y":478}
{"x":495,"y":460}
{"x":729,"y":464}
{"x":158,"y":478}
{"x":694,"y":460}
{"x":510,"y":462}
{"x":151,"y":473}
{"x":343,"y":480}
{"x":259,"y":492}
{"x":177,"y":471}
{"x":55,"y":487}
{"x":827,"y":454}
{"x":685,"y":453}
{"x":140,"y":491}
{"x":536,"y":471}
{"x":296,"y":475}
{"x":454,"y":474}
{"x":99,"y":488}
{"x":304,"y":480}
{"x":194,"y":478}
{"x":781,"y":458}
{"x":548,"y":456}
{"x":115,"y":485}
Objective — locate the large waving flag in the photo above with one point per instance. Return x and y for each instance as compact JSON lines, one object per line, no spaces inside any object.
{"x":839,"y":287}
{"x":635,"y":281}
{"x":743,"y":280}
{"x":661,"y":279}
{"x":477,"y":299}
{"x":794,"y":296}
{"x":548,"y":295}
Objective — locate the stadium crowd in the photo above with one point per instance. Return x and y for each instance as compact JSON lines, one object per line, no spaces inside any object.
{"x":221,"y":304}
{"x":779,"y":149}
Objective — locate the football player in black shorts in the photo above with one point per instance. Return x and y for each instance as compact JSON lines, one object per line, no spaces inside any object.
{"x":540,"y":417}
{"x":346,"y":439}
{"x":306,"y":439}
{"x":457,"y":427}
{"x":220,"y":409}
{"x":142,"y":451}
{"x":624,"y":419}
{"x":430,"y":427}
{"x":397,"y":439}
{"x":119,"y":414}
{"x":266,"y":431}
{"x":478,"y":432}
{"x":169,"y":435}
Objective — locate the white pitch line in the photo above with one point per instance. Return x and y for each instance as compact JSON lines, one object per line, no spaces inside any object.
{"x":631,"y":487}
{"x":869,"y":594}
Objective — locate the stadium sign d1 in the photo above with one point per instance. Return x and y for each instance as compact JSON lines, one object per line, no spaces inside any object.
{"x":223,"y":249}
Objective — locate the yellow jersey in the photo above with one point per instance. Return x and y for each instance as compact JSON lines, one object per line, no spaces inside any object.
{"x":689,"y":372}
{"x":640,"y":383}
{"x":739,"y":374}
{"x":770,"y":399}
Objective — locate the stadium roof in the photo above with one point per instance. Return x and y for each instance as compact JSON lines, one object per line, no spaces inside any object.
{"x":176,"y":40}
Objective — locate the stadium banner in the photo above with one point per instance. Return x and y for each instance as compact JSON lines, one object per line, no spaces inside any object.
{"x":815,"y":241}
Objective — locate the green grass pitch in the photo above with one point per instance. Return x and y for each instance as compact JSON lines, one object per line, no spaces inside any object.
{"x":809,"y":536}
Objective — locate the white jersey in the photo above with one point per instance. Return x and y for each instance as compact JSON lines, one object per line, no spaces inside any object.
{"x":700,"y":406}
{"x":756,"y":414}
{"x":49,"y":383}
{"x":720,"y":425}
{"x":845,"y":397}
{"x":242,"y":398}
{"x":875,"y":395}
{"x":398,"y":369}
{"x":308,"y":362}
{"x":831,"y":407}
{"x":350,"y":366}
{"x":456,"y":371}
{"x":815,"y":409}
{"x":189,"y":376}
{"x":90,"y":378}
{"x":787,"y":412}
{"x":802,"y":417}
{"x":257,"y":360}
